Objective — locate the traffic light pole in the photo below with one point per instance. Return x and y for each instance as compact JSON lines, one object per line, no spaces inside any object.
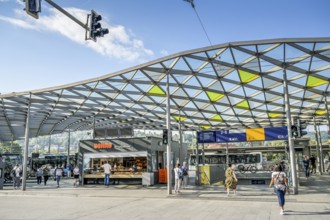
{"x":290,"y":139}
{"x":67,"y":14}
{"x":169,"y":141}
{"x":26,"y":145}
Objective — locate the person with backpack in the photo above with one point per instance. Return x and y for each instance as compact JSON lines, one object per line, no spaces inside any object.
{"x":280,"y":185}
{"x":184,"y":169}
{"x":178,"y":176}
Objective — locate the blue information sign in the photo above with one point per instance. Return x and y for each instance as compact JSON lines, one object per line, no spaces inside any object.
{"x":206,"y":137}
{"x":225,"y":136}
{"x":278,"y":133}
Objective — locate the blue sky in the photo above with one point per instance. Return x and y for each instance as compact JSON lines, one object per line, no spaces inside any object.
{"x":51,"y":51}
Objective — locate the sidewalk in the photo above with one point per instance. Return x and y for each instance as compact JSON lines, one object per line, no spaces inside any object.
{"x":138,"y":202}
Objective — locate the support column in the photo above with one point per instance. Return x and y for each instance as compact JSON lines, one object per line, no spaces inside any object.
{"x":321,"y":149}
{"x":203,"y":154}
{"x":327,"y":116}
{"x":49,"y":142}
{"x":68,"y":157}
{"x":317,"y":148}
{"x":169,"y":141}
{"x":290,"y":140}
{"x":180,"y":133}
{"x":26,"y":145}
{"x":227,"y":154}
{"x":93,"y":132}
{"x":197,"y":179}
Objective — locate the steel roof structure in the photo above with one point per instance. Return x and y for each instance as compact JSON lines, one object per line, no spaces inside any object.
{"x":227,"y":86}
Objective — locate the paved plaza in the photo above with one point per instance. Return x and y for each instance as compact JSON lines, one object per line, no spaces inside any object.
{"x":138,"y":202}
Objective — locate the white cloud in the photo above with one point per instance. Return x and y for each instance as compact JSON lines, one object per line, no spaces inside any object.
{"x":164,"y":52}
{"x":120,"y":43}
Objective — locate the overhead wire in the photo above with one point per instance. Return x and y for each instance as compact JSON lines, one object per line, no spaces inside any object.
{"x":199,"y":19}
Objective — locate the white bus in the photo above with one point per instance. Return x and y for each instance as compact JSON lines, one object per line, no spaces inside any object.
{"x":213,"y":158}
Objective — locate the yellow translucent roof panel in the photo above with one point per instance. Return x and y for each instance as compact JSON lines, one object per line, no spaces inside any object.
{"x":214,"y":96}
{"x":243,"y":105}
{"x":247,"y":77}
{"x":216,"y":118}
{"x":205,"y":127}
{"x":180,"y":118}
{"x":313,"y":81}
{"x":156,"y":91}
{"x":320,"y":112}
{"x":274,"y":115}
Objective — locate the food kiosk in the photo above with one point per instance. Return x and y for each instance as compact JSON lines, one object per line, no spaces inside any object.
{"x":131,"y":159}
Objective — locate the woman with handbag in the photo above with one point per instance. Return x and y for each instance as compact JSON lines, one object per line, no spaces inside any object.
{"x":280,"y":184}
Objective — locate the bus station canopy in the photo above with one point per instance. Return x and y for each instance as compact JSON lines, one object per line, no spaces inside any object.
{"x":227,"y":86}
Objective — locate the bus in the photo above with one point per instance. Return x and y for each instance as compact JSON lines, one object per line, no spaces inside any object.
{"x":10,"y":160}
{"x":236,"y":159}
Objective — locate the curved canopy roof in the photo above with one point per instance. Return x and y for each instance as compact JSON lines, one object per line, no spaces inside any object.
{"x":227,"y":86}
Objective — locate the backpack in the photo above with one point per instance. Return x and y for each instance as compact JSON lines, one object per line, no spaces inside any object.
{"x":180,"y":173}
{"x":13,"y":173}
{"x":185,"y":171}
{"x":45,"y":172}
{"x":279,"y":179}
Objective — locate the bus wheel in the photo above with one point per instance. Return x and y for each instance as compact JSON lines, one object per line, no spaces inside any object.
{"x":241,"y":168}
{"x":253,"y":169}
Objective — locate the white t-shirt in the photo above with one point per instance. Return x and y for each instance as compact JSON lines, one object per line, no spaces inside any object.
{"x":107,"y":168}
{"x":176,"y":172}
{"x":58,"y":171}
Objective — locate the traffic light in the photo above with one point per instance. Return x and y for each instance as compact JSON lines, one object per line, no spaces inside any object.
{"x":33,"y":7}
{"x":165,"y":136}
{"x":301,"y":126}
{"x":95,"y":28}
{"x":294,"y":131}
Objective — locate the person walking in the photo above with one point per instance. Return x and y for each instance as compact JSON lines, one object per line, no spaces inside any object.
{"x":39,"y":175}
{"x":184,"y":169}
{"x":280,"y":185}
{"x":178,"y":175}
{"x":306,"y":165}
{"x":69,"y":167}
{"x":107,"y":168}
{"x":45,"y":174}
{"x":16,"y":176}
{"x":313,"y":163}
{"x":231,"y":180}
{"x":58,"y":175}
{"x":76,"y":176}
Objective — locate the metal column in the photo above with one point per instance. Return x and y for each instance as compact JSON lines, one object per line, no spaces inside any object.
{"x":169,"y":142}
{"x":180,"y":133}
{"x":290,"y":140}
{"x":68,"y":157}
{"x":321,"y":148}
{"x":227,"y":155}
{"x":49,"y":143}
{"x":26,"y":145}
{"x":317,"y":147}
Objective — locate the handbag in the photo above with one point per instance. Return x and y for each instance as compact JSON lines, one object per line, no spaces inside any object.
{"x":282,"y":188}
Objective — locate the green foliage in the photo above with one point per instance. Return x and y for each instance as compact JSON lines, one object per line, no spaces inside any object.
{"x":9,"y":147}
